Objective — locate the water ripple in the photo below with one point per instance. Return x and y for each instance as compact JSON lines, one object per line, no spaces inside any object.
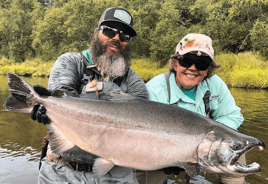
{"x":10,"y":150}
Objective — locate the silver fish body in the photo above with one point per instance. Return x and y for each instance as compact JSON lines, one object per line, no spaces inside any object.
{"x":130,"y":132}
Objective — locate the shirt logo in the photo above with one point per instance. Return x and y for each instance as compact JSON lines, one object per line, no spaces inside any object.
{"x":214,"y":96}
{"x":122,"y":15}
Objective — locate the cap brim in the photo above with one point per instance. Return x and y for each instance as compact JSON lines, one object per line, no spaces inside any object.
{"x":175,"y":56}
{"x":126,"y":28}
{"x":192,"y":49}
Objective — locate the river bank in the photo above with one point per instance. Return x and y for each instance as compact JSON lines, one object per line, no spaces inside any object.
{"x":243,"y":70}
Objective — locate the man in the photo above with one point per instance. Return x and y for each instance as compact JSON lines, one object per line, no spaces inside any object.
{"x":101,"y":69}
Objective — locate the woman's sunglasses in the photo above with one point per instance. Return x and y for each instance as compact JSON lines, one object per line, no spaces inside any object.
{"x":111,"y":32}
{"x":202,"y":63}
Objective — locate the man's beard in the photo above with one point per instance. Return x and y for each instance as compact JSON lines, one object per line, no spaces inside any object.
{"x":112,"y":66}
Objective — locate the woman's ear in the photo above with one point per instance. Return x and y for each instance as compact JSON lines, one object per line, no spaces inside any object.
{"x":173,"y":63}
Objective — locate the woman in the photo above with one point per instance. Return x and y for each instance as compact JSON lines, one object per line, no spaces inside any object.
{"x":191,"y":84}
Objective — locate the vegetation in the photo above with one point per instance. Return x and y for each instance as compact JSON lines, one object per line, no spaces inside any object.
{"x":44,"y":29}
{"x":147,"y":69}
{"x":35,"y":67}
{"x":245,"y":70}
{"x":48,"y":28}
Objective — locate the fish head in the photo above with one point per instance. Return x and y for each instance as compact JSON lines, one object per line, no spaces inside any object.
{"x":219,"y":153}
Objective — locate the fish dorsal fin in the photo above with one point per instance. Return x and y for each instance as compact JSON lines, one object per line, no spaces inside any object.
{"x":192,"y":169}
{"x":101,"y":167}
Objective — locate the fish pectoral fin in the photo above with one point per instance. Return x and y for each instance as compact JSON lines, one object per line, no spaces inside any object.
{"x":192,"y":169}
{"x":76,"y":154}
{"x":101,"y":167}
{"x":121,"y":96}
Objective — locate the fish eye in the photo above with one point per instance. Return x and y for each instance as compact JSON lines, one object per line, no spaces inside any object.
{"x":237,"y":146}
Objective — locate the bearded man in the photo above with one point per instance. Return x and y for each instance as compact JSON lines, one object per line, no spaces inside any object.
{"x":101,"y":69}
{"x":107,"y":59}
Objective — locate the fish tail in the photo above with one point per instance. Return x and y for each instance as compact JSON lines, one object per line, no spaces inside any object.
{"x":22,"y":97}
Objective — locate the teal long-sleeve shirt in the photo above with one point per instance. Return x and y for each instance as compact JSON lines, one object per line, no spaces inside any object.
{"x":225,"y":109}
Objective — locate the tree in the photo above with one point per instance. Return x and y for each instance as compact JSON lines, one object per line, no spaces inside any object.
{"x":229,"y":22}
{"x":145,"y":14}
{"x":259,"y":37}
{"x":16,"y":29}
{"x":67,"y":27}
{"x":5,"y":4}
{"x":171,"y":26}
{"x":49,"y":28}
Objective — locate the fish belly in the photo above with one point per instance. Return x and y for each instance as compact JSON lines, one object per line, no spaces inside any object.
{"x":125,"y":145}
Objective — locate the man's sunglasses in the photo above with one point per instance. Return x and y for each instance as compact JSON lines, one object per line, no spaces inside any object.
{"x":111,"y":32}
{"x":202,"y":63}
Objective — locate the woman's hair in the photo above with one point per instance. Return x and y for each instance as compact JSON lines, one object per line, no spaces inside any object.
{"x":211,"y":68}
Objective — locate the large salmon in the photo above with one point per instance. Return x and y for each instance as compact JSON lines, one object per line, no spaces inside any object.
{"x":130,"y":132}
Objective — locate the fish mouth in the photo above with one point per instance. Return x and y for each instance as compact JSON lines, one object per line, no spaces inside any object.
{"x":246,"y":169}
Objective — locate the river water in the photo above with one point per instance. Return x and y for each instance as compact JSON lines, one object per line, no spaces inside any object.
{"x":20,"y":137}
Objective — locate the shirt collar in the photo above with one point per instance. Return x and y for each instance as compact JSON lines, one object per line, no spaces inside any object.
{"x":176,"y":93}
{"x":87,"y":55}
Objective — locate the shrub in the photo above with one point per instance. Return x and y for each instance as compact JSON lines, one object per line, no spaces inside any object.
{"x":147,"y":69}
{"x":6,"y":62}
{"x":36,"y":67}
{"x":247,"y":70}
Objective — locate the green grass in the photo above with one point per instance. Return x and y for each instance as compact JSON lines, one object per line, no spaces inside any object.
{"x":147,"y":69}
{"x":243,"y":70}
{"x":35,"y":67}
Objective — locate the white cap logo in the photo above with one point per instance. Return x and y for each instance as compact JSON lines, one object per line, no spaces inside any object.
{"x":122,"y":15}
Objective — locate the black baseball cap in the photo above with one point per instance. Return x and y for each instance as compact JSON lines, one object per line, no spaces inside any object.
{"x":117,"y":15}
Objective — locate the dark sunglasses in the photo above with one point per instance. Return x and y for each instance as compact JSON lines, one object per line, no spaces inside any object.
{"x":202,"y":63}
{"x":111,"y":32}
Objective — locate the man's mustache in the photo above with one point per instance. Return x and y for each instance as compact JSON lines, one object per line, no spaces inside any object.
{"x":115,"y":43}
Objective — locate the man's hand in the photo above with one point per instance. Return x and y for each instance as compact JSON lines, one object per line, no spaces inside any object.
{"x":39,"y":111}
{"x":42,"y":90}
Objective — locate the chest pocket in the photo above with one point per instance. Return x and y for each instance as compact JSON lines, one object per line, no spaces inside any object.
{"x":214,"y":102}
{"x":89,"y":75}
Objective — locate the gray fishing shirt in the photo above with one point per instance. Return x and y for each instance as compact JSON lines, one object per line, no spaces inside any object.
{"x":68,"y":72}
